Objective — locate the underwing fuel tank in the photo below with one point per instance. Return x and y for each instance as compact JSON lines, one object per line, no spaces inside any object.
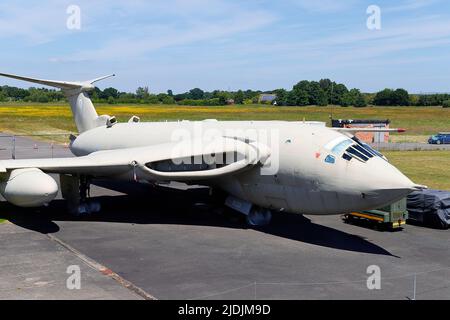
{"x":28,"y":188}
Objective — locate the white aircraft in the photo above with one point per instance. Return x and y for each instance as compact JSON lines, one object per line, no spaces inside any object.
{"x":300,"y":167}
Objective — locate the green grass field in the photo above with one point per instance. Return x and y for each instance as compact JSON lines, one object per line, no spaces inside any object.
{"x":431,"y":168}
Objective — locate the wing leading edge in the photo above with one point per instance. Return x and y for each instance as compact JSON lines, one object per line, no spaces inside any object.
{"x":183,"y":161}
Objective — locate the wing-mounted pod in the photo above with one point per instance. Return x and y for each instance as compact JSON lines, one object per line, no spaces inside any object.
{"x":28,"y":187}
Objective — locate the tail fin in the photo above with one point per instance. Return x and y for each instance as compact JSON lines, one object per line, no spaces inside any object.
{"x":83,"y":110}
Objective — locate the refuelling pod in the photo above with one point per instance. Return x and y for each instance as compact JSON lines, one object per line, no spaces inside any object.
{"x":28,"y":187}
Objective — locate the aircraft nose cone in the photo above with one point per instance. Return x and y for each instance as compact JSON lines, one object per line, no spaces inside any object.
{"x":388,"y":184}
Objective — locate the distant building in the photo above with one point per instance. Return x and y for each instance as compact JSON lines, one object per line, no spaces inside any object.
{"x":368,"y":137}
{"x":230,"y":101}
{"x":267,"y":97}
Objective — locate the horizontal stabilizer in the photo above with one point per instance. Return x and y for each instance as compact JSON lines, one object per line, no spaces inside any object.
{"x":63,"y":85}
{"x":84,"y":113}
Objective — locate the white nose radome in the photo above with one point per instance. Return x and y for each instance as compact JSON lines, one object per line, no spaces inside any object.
{"x":386,"y":184}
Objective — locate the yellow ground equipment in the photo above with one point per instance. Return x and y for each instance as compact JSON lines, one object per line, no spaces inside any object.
{"x":392,"y":216}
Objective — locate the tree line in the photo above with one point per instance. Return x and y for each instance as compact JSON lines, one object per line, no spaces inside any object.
{"x":304,"y":93}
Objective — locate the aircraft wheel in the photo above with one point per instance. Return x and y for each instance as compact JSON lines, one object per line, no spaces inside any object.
{"x":82,"y":209}
{"x":94,"y":206}
{"x":259,"y":217}
{"x":86,"y":208}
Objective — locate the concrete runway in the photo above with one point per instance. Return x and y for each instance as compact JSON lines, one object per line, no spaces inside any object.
{"x":174,"y":246}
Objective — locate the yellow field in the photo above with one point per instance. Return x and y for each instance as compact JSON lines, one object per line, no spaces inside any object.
{"x":420,"y":122}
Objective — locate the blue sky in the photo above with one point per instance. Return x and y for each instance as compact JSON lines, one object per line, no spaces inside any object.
{"x":219,"y":44}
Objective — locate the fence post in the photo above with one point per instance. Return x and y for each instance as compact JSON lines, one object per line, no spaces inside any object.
{"x":13,"y":147}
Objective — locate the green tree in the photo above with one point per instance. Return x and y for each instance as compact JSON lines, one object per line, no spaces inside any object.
{"x":301,"y":93}
{"x":291,"y":98}
{"x":401,"y":97}
{"x":339,"y":90}
{"x":358,"y":98}
{"x":281,"y":97}
{"x":168,"y":100}
{"x":384,"y":98}
{"x":389,"y":97}
{"x":346,"y":100}
{"x":414,"y":99}
{"x":360,"y":101}
{"x":317,"y":95}
{"x":142,"y":93}
{"x":15,"y":93}
{"x":239,"y":97}
{"x":326,"y":84}
{"x":353,"y":98}
{"x":109,"y":92}
{"x":196,"y":94}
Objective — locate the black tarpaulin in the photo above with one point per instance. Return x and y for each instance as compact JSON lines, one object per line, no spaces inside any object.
{"x":432,"y":207}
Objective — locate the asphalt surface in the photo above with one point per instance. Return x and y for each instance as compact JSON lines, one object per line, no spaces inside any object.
{"x":35,"y":267}
{"x":179,"y":245}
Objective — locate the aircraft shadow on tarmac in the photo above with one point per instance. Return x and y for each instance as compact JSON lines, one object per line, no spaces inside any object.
{"x":185,"y":208}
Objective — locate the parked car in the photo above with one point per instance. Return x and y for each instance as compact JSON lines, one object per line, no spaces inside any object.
{"x":440,"y":138}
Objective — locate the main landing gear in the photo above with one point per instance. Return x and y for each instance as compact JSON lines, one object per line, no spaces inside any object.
{"x":259,"y":217}
{"x":76,"y":191}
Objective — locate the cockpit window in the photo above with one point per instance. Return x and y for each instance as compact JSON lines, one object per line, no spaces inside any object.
{"x":355,"y":153}
{"x":360,"y":151}
{"x":330,"y":159}
{"x":363,"y":151}
{"x":346,"y":157}
{"x":352,"y":148}
{"x":368,"y":148}
{"x":340,"y":147}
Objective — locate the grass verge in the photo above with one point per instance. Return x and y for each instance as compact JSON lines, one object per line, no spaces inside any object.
{"x":431,"y":168}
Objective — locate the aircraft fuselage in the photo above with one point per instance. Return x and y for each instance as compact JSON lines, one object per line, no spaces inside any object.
{"x":308,"y":175}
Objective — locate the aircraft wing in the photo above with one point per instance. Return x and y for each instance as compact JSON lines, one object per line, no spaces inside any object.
{"x":180,"y":161}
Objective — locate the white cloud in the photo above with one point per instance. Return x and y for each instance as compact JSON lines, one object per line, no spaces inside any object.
{"x":152,"y":37}
{"x":324,"y":6}
{"x":410,"y":5}
{"x":35,"y":22}
{"x":351,"y":47}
